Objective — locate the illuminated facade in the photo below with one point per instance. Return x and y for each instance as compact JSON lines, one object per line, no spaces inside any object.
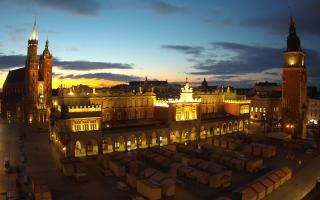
{"x":294,"y":86}
{"x":124,"y":120}
{"x":27,"y":91}
{"x":313,"y":114}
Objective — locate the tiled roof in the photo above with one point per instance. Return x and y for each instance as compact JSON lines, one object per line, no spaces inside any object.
{"x":15,"y":76}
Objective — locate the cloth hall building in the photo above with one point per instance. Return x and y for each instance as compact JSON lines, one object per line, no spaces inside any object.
{"x":102,"y":122}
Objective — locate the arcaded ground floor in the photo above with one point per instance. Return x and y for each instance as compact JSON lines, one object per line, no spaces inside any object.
{"x":103,"y":142}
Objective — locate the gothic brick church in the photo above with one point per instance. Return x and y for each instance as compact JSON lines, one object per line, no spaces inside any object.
{"x":27,"y":91}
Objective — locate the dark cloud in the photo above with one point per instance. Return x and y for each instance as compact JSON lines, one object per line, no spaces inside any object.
{"x":271,"y":73}
{"x":103,"y":76}
{"x":164,"y":8}
{"x":305,"y":14}
{"x":54,"y":74}
{"x":251,"y":59}
{"x":88,"y":65}
{"x":247,"y":59}
{"x":193,"y":50}
{"x":79,"y":7}
{"x":10,"y":61}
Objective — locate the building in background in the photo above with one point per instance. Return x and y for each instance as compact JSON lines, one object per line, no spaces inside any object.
{"x":294,"y":86}
{"x":265,"y":107}
{"x":27,"y":91}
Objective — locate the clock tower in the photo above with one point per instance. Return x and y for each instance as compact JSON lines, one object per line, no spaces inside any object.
{"x":294,"y":86}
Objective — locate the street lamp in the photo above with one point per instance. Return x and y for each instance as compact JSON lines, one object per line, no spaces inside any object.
{"x":290,"y":127}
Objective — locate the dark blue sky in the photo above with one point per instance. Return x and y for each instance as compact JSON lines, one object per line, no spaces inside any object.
{"x":228,"y":42}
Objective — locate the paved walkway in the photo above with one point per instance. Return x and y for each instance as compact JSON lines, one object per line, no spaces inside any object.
{"x":9,"y":148}
{"x":303,"y":181}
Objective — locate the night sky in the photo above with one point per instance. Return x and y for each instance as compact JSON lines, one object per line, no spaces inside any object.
{"x":106,"y":42}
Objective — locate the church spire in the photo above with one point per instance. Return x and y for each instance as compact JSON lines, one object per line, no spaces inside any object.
{"x":293,"y":41}
{"x":46,"y":52}
{"x":34,"y":33}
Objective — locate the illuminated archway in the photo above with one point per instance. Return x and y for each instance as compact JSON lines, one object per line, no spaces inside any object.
{"x":131,"y":143}
{"x":163,"y":138}
{"x":92,"y":147}
{"x":193,"y":134}
{"x":217,"y":131}
{"x":175,"y":137}
{"x":210,"y":132}
{"x":184,"y":136}
{"x":203,"y":133}
{"x":120,"y":144}
{"x":246,"y":125}
{"x":235,"y":127}
{"x":241,"y":125}
{"x":224,"y":129}
{"x":107,"y":146}
{"x":143,"y":143}
{"x":229,"y":130}
{"x":80,"y":149}
{"x":154,"y":140}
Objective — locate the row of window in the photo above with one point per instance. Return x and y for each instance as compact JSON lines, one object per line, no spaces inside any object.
{"x":260,"y":109}
{"x":130,"y":115}
{"x":85,"y":125}
{"x":128,"y":102}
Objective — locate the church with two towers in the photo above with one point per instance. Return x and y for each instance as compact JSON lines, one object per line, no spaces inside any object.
{"x":27,"y":91}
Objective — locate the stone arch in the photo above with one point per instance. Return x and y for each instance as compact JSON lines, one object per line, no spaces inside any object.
{"x":217,"y":130}
{"x":80,"y":149}
{"x":193,"y":134}
{"x":92,"y":147}
{"x":163,"y":138}
{"x":120,"y":144}
{"x":132,"y":143}
{"x":224,"y":129}
{"x":175,"y":137}
{"x":143,"y":142}
{"x":241,"y":125}
{"x":210,"y":132}
{"x":203,"y":133}
{"x":107,"y":145}
{"x":246,"y":125}
{"x":235,"y":126}
{"x":229,"y":129}
{"x":184,"y":136}
{"x":154,"y":139}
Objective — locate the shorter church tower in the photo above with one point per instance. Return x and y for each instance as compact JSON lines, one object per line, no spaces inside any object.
{"x":46,"y":73}
{"x":294,"y":86}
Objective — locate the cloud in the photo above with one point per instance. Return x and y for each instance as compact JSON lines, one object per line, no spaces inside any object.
{"x":11,"y":61}
{"x":77,"y":7}
{"x":250,"y":59}
{"x":103,"y":76}
{"x":246,"y":63}
{"x":271,"y":73}
{"x":246,"y":59}
{"x":88,"y":65}
{"x":305,"y":15}
{"x":164,"y":8}
{"x":193,"y":50}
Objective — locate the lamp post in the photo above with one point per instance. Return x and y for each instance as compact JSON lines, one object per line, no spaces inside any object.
{"x":290,"y":127}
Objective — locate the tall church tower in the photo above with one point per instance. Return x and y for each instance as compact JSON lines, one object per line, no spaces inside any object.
{"x":294,"y":86}
{"x":46,"y":73}
{"x":32,"y":75}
